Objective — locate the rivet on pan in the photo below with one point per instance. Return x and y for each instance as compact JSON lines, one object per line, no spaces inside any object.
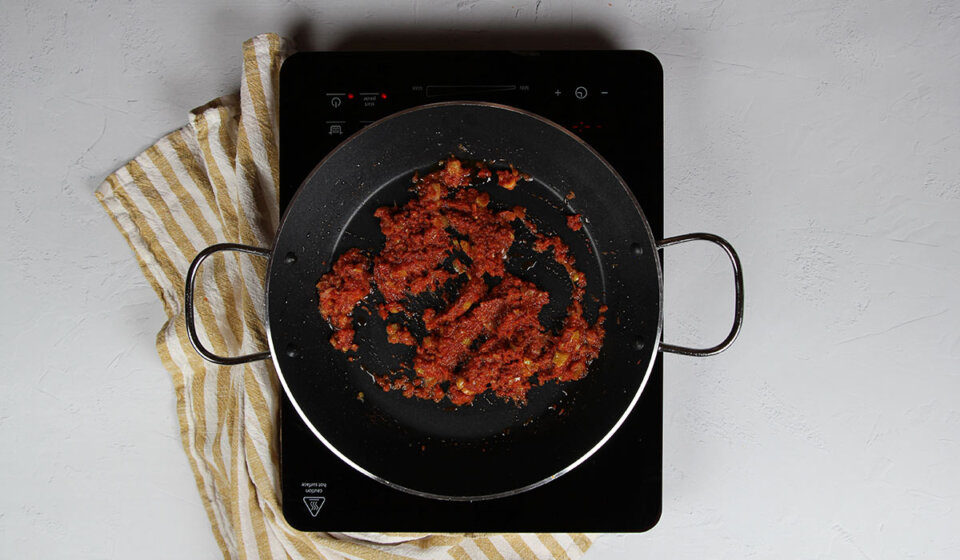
{"x":292,"y":350}
{"x":290,"y":258}
{"x":637,"y":249}
{"x":638,"y":343}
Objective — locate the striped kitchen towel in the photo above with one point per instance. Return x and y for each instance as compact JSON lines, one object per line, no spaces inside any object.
{"x":214,"y":181}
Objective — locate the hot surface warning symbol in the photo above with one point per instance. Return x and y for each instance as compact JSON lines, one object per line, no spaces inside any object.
{"x":314,"y":503}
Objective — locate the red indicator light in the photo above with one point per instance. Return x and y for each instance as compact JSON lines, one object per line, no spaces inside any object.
{"x":349,"y":96}
{"x":383,"y":96}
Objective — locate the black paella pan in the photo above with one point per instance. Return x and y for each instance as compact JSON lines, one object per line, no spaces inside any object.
{"x":491,"y":448}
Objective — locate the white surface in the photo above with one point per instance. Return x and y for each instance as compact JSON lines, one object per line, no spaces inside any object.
{"x":821,"y":138}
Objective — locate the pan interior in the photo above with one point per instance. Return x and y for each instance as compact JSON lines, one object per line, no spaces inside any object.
{"x":492,"y":446}
{"x":488,"y":415}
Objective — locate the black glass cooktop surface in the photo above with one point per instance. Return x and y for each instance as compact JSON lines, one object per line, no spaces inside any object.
{"x":611,"y":99}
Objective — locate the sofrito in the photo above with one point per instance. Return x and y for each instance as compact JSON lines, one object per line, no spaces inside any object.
{"x":486,"y":335}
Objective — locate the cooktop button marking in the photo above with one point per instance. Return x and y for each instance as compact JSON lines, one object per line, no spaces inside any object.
{"x":335,"y":101}
{"x":580,"y":92}
{"x":557,"y":93}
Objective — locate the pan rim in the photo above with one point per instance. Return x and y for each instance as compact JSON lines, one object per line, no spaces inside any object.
{"x":652,"y":244}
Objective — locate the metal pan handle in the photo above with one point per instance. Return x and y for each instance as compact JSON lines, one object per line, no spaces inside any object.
{"x":738,"y":283}
{"x":188,"y":304}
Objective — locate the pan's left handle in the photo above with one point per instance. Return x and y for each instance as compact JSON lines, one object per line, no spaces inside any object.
{"x":738,"y":287}
{"x":188,"y":304}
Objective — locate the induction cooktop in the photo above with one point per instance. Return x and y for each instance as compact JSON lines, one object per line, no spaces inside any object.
{"x":613,"y":100}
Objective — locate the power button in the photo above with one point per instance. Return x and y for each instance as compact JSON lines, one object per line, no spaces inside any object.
{"x":580,"y":92}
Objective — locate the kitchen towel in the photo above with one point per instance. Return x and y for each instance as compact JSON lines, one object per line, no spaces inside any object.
{"x":215,"y":181}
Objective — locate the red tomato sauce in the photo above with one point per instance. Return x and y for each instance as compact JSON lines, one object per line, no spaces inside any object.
{"x":340,"y":291}
{"x":485,"y":337}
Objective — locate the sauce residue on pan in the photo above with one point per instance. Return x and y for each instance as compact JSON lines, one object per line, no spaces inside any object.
{"x":484,"y":336}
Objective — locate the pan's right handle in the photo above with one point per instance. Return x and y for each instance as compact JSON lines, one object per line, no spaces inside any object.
{"x":188,"y":304}
{"x":738,"y":283}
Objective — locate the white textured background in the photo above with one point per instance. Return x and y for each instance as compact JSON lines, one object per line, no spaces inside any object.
{"x":822,"y":138}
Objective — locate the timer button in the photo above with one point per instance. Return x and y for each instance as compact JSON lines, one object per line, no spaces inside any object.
{"x":580,"y":92}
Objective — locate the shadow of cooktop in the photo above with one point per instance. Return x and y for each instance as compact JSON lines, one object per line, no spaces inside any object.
{"x":392,"y":38}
